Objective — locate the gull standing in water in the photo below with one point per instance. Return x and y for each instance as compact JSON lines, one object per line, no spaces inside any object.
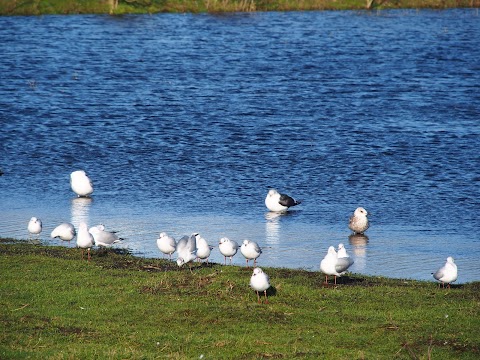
{"x":81,"y":183}
{"x":64,"y":231}
{"x":34,"y":226}
{"x":84,"y":239}
{"x":186,"y":250}
{"x":251,"y":251}
{"x":102,"y":237}
{"x":166,"y":244}
{"x":228,"y":248}
{"x":277,"y":202}
{"x":358,"y":221}
{"x":447,"y":273}
{"x":260,"y":282}
{"x":203,"y":249}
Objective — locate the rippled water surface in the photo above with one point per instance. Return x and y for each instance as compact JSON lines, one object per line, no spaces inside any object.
{"x":183,"y":122}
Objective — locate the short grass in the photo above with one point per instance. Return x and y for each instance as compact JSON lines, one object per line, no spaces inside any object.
{"x":62,"y":7}
{"x":53,"y":305}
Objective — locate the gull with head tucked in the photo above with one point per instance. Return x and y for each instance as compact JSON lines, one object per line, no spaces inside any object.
{"x":81,"y":183}
{"x":359,"y":221}
{"x":447,"y":273}
{"x":251,"y":251}
{"x":64,"y":231}
{"x":228,"y":248}
{"x":277,"y":202}
{"x":259,"y":281}
{"x":186,"y":250}
{"x":166,"y":244}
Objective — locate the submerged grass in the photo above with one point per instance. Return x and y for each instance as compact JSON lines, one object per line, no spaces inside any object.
{"x":43,"y":7}
{"x":53,"y":305}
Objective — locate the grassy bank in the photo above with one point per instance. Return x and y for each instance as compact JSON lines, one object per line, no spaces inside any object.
{"x":56,"y":306}
{"x":43,"y":7}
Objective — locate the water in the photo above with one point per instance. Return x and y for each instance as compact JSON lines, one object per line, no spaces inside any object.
{"x":184,"y":121}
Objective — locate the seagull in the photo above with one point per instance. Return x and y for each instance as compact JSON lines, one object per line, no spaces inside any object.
{"x":34,"y":226}
{"x":277,"y":202}
{"x":260,"y":282}
{"x":64,"y":231}
{"x":447,"y":273}
{"x":332,"y":265}
{"x":359,"y":222}
{"x":203,"y":249}
{"x":344,"y":261}
{"x":186,"y":250}
{"x":251,"y":251}
{"x":81,"y":183}
{"x":166,"y":244}
{"x":102,"y":237}
{"x":228,"y":248}
{"x":84,"y":239}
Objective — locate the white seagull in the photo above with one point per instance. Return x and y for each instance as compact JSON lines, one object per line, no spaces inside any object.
{"x":203,"y":249}
{"x":342,"y":254}
{"x":277,"y":202}
{"x":251,"y":251}
{"x":447,"y":273}
{"x":34,"y":226}
{"x":84,"y":239}
{"x":260,"y":282}
{"x":166,"y":244}
{"x":81,"y":183}
{"x":344,"y":261}
{"x":358,"y":221}
{"x":228,"y":248}
{"x":186,"y":250}
{"x":102,"y":237}
{"x":332,"y":265}
{"x":64,"y":231}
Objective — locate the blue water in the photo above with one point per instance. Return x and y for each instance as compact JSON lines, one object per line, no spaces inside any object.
{"x":184,"y":121}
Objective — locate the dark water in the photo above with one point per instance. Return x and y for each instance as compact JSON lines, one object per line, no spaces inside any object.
{"x":183,"y":122}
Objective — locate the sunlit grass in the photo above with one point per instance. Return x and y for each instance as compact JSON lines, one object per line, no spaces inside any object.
{"x":43,"y":7}
{"x":54,"y":305}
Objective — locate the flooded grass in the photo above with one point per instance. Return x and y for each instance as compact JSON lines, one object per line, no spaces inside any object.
{"x":56,"y":305}
{"x":13,"y":7}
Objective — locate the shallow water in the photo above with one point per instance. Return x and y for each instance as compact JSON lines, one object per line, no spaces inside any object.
{"x":183,"y":122}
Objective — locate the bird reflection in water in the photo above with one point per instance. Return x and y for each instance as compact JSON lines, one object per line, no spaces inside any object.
{"x":80,"y":210}
{"x":359,"y":244}
{"x":272,"y":227}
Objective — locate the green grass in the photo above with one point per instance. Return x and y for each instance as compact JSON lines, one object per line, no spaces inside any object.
{"x":43,"y":7}
{"x":53,"y":305}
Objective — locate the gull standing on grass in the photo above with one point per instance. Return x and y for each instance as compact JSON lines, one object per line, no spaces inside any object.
{"x":332,"y":265}
{"x":64,"y":231}
{"x":251,"y":251}
{"x":166,"y":244}
{"x":186,"y":250}
{"x":277,"y":202}
{"x":84,"y":239}
{"x":228,"y":248}
{"x":260,"y":282}
{"x":342,"y":254}
{"x":81,"y":183}
{"x":359,"y":221}
{"x":447,"y":273}
{"x":34,"y":226}
{"x":203,"y":249}
{"x":102,"y":237}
